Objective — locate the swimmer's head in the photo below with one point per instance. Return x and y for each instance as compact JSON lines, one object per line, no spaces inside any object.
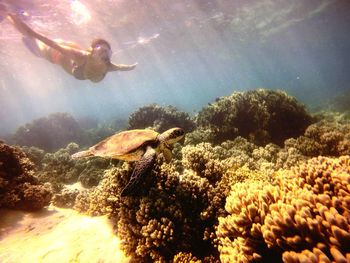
{"x":101,"y":49}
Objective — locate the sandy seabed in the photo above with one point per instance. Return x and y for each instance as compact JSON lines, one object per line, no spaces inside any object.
{"x":57,"y":235}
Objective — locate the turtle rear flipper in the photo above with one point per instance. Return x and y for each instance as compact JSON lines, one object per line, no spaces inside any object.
{"x":143,"y":166}
{"x":81,"y":154}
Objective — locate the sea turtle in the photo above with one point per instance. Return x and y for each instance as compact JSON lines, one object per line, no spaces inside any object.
{"x":135,"y":145}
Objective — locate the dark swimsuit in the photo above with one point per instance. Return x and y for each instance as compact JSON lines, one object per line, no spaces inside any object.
{"x":78,"y":72}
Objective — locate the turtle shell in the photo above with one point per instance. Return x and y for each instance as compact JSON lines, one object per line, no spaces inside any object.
{"x":126,"y":145}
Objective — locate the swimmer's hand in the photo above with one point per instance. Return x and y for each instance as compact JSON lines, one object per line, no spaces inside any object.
{"x":134,"y":65}
{"x":122,"y":67}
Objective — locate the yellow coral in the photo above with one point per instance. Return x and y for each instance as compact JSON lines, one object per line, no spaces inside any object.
{"x":305,"y":209}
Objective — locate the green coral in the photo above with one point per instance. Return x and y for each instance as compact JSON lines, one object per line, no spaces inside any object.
{"x":160,"y":118}
{"x":50,"y":133}
{"x":262,"y":116}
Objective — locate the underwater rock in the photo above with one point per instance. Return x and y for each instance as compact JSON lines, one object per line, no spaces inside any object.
{"x":261,"y":116}
{"x":19,"y":189}
{"x":50,"y":133}
{"x":303,"y":212}
{"x":160,"y":118}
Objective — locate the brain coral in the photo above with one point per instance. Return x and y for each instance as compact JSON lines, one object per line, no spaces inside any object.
{"x":303,"y":216}
{"x":261,"y":116}
{"x":18,"y":187}
{"x":160,"y":118}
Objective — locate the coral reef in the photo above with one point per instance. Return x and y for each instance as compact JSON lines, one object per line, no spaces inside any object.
{"x":262,"y":116}
{"x":59,"y":168}
{"x":328,"y":138}
{"x":303,"y":214}
{"x":66,"y":198}
{"x":160,"y":118}
{"x":103,"y":130}
{"x":173,"y":213}
{"x":208,"y":160}
{"x":341,"y":102}
{"x":170,"y":214}
{"x":19,"y":189}
{"x":50,"y":133}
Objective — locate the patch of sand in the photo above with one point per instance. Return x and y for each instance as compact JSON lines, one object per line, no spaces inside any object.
{"x":57,"y":235}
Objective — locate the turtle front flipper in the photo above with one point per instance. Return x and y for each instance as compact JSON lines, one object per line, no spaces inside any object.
{"x":143,"y":166}
{"x":168,"y":155}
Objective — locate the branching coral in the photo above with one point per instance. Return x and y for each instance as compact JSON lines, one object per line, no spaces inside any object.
{"x":18,"y":187}
{"x":324,"y":138}
{"x":212,"y":161}
{"x":160,"y":118}
{"x":304,"y":212}
{"x":50,"y":133}
{"x":261,"y":116}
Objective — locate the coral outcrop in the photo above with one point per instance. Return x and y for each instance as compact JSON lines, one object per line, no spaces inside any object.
{"x":19,"y":189}
{"x":160,"y":118}
{"x":341,"y":102}
{"x":59,"y":168}
{"x":328,"y":138}
{"x":50,"y":133}
{"x":175,"y":210}
{"x":65,"y":198}
{"x":262,"y":116}
{"x":170,"y":214}
{"x":302,"y":215}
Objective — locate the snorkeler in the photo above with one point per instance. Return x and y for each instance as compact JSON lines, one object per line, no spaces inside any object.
{"x":92,"y":63}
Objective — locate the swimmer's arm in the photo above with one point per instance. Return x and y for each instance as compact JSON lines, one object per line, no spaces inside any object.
{"x":27,"y":31}
{"x":122,"y":67}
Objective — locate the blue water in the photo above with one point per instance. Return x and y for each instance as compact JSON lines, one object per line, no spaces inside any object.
{"x":189,"y":53}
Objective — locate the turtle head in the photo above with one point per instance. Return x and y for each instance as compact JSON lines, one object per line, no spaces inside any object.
{"x":171,"y":136}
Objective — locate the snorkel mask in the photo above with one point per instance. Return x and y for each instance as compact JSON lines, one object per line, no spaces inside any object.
{"x":101,"y":49}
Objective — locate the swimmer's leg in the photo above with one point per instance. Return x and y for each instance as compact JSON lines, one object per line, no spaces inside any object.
{"x":33,"y":46}
{"x":42,"y":50}
{"x":3,"y":12}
